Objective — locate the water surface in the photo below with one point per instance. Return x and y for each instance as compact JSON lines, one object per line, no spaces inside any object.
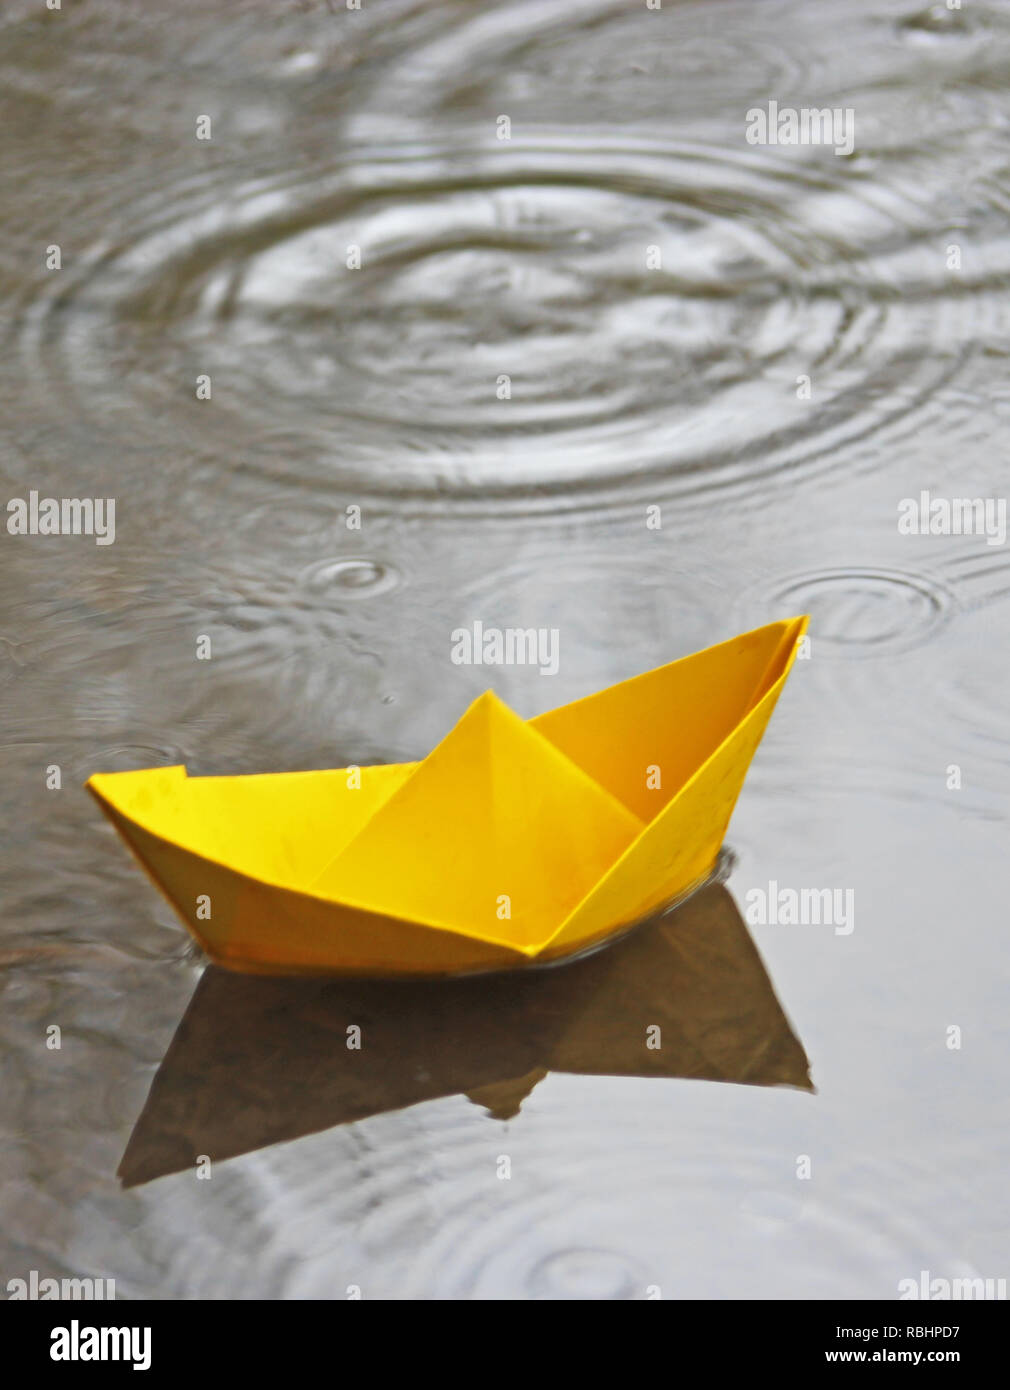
{"x":632,"y":384}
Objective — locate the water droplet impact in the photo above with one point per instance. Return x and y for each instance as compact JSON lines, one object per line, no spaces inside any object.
{"x":353,"y":579}
{"x":585,"y":1274}
{"x":866,"y":612}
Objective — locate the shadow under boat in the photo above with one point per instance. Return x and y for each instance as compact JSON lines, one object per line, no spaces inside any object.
{"x":259,"y":1061}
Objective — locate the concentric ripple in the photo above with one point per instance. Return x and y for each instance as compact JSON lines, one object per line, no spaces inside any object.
{"x":866,"y":611}
{"x":359,"y":285}
{"x":507,"y":319}
{"x":352,"y":578}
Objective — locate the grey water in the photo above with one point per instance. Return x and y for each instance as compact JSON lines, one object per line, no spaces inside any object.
{"x":375,"y":323}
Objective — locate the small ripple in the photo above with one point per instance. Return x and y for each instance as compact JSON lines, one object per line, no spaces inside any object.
{"x":352,"y":578}
{"x":586,"y":1274}
{"x":128,"y":757}
{"x":865,"y":612}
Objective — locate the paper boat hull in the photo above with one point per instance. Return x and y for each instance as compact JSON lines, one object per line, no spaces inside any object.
{"x":196,"y":836}
{"x":266,"y":929}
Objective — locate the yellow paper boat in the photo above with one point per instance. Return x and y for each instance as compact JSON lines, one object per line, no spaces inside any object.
{"x":512,"y":842}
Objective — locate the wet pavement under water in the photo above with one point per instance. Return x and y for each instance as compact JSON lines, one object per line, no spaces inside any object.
{"x":632,"y":381}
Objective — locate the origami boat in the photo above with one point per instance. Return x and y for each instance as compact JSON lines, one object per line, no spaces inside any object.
{"x":511,"y":843}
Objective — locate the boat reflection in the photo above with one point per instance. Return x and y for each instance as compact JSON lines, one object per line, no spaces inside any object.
{"x":258,"y":1061}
